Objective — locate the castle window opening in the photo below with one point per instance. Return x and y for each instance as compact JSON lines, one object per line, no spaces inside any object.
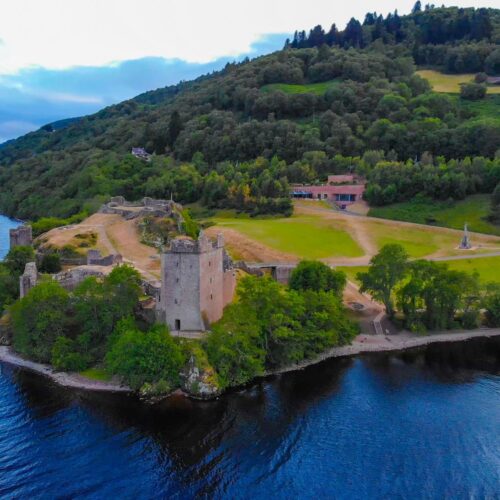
{"x":178,"y":324}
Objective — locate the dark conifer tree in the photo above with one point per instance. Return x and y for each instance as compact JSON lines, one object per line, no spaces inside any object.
{"x":174,"y":128}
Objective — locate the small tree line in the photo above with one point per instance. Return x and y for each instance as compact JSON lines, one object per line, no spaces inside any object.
{"x":426,"y":295}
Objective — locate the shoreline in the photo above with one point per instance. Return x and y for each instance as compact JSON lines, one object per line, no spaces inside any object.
{"x":64,"y":379}
{"x":363,"y":344}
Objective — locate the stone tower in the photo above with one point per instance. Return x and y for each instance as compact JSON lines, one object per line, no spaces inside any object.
{"x":21,"y":236}
{"x":198,"y":280}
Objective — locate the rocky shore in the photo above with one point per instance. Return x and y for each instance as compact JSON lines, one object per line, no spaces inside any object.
{"x":362,"y":344}
{"x":387,"y":343}
{"x":72,"y":380}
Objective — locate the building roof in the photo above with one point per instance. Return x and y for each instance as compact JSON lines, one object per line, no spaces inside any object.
{"x":493,"y":79}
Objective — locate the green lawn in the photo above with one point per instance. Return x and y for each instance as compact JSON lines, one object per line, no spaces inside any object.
{"x":306,"y":237}
{"x":309,"y":88}
{"x":96,"y":374}
{"x":441,"y":82}
{"x":473,"y":210}
{"x":418,"y":242}
{"x":351,"y":271}
{"x":487,"y":267}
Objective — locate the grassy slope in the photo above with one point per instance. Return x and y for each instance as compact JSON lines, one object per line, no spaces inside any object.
{"x":306,"y":237}
{"x":309,"y":88}
{"x":473,"y":210}
{"x":441,"y":82}
{"x":418,"y":242}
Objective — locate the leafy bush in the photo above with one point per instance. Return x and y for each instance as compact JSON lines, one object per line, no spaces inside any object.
{"x":472,"y":91}
{"x":65,"y":356}
{"x":39,"y":319}
{"x":45,"y":224}
{"x":151,"y":357}
{"x":51,"y":263}
{"x":314,"y":275}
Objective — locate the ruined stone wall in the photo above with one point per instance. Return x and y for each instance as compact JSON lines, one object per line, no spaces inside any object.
{"x":21,"y":236}
{"x":94,"y":258}
{"x":282,"y":273}
{"x":212,"y":285}
{"x":28,"y":279}
{"x":229,"y":286}
{"x":72,"y":278}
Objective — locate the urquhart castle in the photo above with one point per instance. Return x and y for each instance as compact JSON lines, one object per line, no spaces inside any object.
{"x":197,"y":275}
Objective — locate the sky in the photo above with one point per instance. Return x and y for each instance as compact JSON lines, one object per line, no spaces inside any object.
{"x":65,"y":58}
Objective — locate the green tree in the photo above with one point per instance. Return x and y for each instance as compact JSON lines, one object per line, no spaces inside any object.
{"x":314,"y":275}
{"x":66,"y":356}
{"x":386,"y":270}
{"x":234,"y":347}
{"x":151,"y":357}
{"x":51,"y":263}
{"x":9,"y":287}
{"x":174,"y":128}
{"x":38,"y":319}
{"x":491,"y":302}
{"x":472,"y":91}
{"x":18,"y":257}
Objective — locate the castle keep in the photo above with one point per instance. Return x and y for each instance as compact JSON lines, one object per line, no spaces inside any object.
{"x":198,"y":280}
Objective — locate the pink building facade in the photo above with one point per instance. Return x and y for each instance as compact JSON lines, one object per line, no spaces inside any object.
{"x":342,"y":195}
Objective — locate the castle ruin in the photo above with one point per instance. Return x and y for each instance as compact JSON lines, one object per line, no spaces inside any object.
{"x":21,"y":236}
{"x":28,"y":279}
{"x":198,"y":281}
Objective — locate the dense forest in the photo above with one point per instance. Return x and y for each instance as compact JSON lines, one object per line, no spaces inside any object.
{"x":238,"y":137}
{"x":460,"y":40}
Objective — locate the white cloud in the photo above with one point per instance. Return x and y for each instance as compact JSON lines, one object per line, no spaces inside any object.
{"x":63,"y":33}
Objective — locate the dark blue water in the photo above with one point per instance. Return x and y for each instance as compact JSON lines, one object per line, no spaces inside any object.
{"x":425,"y":424}
{"x":5,"y":225}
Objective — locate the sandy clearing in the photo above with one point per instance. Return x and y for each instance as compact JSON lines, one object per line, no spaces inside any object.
{"x":124,"y":236}
{"x":114,"y":235}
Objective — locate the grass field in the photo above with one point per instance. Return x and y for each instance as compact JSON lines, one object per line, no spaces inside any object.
{"x":304,"y":236}
{"x":487,"y":267}
{"x":96,"y":374}
{"x":309,"y":88}
{"x":417,"y":242}
{"x":473,"y":210}
{"x":441,"y":82}
{"x":351,"y":271}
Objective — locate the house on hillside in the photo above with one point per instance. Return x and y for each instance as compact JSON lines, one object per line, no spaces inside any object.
{"x":343,"y":190}
{"x":141,"y":153}
{"x":493,"y":80}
